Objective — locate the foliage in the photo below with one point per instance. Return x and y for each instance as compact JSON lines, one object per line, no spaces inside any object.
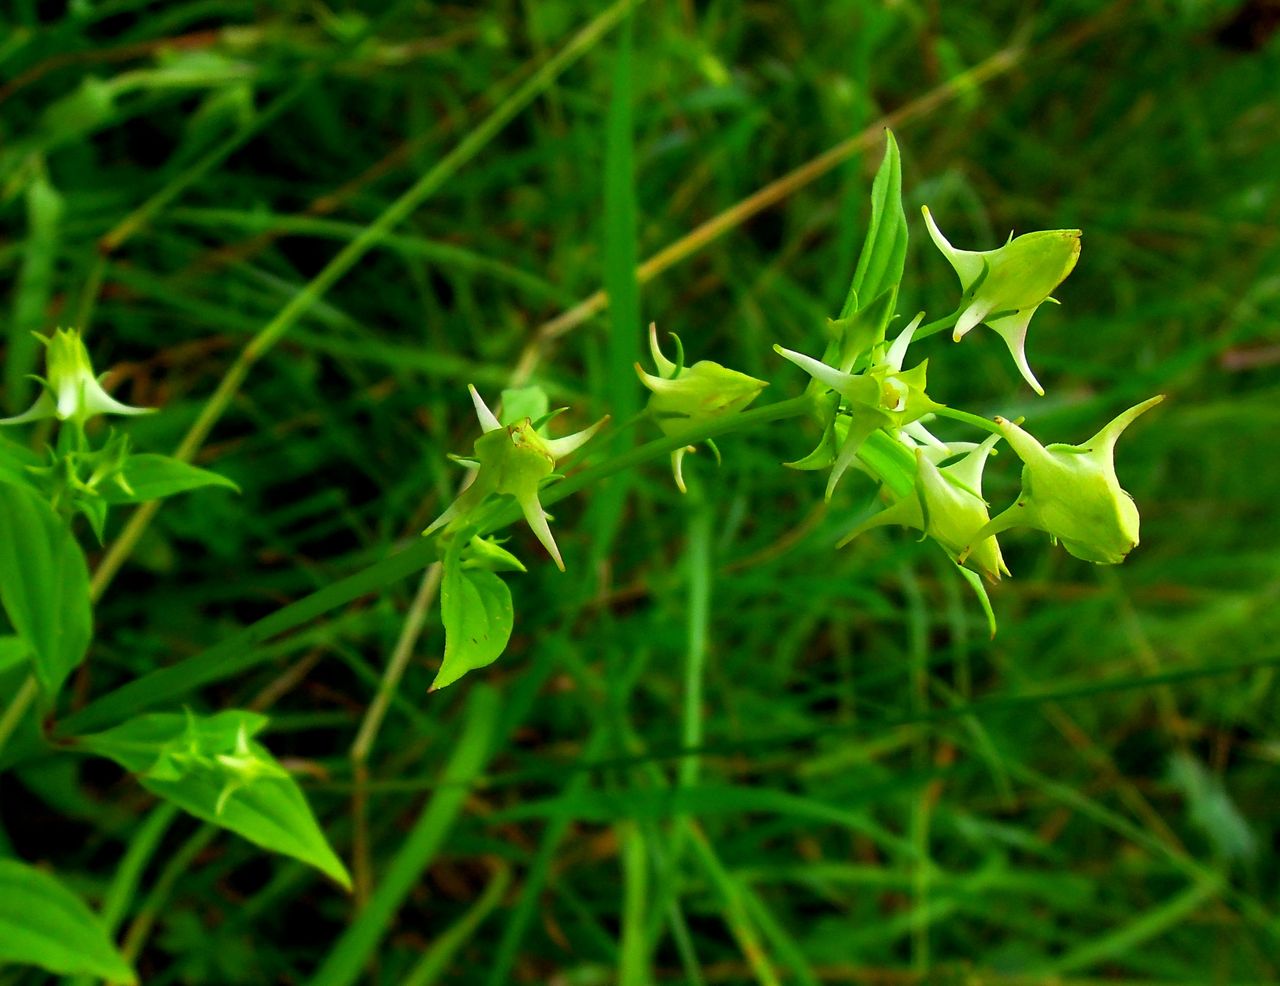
{"x":717,"y":749}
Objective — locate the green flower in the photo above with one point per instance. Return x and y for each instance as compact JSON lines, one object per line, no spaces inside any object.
{"x":884,"y":396}
{"x":71,"y":391}
{"x":1071,"y":492}
{"x":513,"y":460}
{"x":682,"y":396}
{"x":1004,"y":287}
{"x":947,"y":506}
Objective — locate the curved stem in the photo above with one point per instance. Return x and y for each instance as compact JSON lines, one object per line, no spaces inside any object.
{"x":986,"y":424}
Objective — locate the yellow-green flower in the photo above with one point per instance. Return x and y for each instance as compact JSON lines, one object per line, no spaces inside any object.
{"x":71,"y":391}
{"x":514,"y":460}
{"x":1071,"y":492}
{"x":682,"y":396}
{"x":1004,"y":287}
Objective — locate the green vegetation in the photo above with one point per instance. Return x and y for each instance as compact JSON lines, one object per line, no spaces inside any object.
{"x":715,"y":749}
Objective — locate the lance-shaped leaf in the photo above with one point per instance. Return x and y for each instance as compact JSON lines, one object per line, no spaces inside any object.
{"x":44,"y":924}
{"x":44,"y":586}
{"x":212,"y":767}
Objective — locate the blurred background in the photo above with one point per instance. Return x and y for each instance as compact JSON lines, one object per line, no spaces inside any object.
{"x":875,"y":791}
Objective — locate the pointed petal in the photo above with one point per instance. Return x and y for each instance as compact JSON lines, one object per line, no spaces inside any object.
{"x":860,"y":428}
{"x":450,"y":512}
{"x":488,"y":420}
{"x":98,"y":401}
{"x":42,"y":408}
{"x":978,"y":309}
{"x":665,"y":367}
{"x":1013,"y":330}
{"x":537,"y":519}
{"x":898,"y":351}
{"x":817,"y":369}
{"x":1027,"y":448}
{"x":917,"y":432}
{"x":1106,"y":438}
{"x":677,"y":466}
{"x":969,"y":469}
{"x":1017,"y":515}
{"x":903,"y":513}
{"x":560,"y":447}
{"x":967,"y":264}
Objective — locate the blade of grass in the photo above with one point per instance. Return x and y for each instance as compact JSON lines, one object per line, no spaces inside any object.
{"x":347,"y":960}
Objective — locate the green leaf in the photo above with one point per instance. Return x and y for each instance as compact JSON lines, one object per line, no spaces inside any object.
{"x":44,"y":586}
{"x":979,"y":590}
{"x":210,"y":767}
{"x":476,"y":608}
{"x":42,"y":923}
{"x":884,"y":252}
{"x":13,"y":462}
{"x":153,"y":477}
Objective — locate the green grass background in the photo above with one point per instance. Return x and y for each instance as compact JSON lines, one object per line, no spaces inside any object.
{"x":874,"y":792}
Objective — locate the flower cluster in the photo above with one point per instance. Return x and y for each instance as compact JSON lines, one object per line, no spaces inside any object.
{"x":1069,"y":492}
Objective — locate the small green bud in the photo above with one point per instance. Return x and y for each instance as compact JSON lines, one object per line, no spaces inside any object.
{"x":1071,"y":492}
{"x":1004,"y":287}
{"x":948,"y":507}
{"x":71,"y":391}
{"x":682,"y":396}
{"x":514,"y":460}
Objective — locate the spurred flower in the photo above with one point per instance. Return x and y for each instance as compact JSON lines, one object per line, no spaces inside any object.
{"x":947,"y":505}
{"x":682,"y":396}
{"x":1071,"y":492}
{"x":71,"y":391}
{"x":1004,"y":287}
{"x":514,"y":460}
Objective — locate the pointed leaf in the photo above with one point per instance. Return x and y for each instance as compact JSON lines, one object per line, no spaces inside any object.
{"x":153,"y":477}
{"x":42,"y":923}
{"x":192,"y":761}
{"x":476,"y":608}
{"x":884,"y":252}
{"x":44,"y":586}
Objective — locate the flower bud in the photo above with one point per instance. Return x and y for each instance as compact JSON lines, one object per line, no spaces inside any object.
{"x":1071,"y":492}
{"x":948,"y":507}
{"x":71,"y":391}
{"x":682,"y":396}
{"x":514,"y":460}
{"x":1004,"y":287}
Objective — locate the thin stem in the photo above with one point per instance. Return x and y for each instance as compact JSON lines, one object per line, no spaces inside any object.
{"x":986,"y":424}
{"x":17,"y":708}
{"x":936,"y":326}
{"x":372,"y":722}
{"x":698,"y":560}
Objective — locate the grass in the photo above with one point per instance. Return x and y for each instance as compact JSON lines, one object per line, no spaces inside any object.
{"x":717,"y":750}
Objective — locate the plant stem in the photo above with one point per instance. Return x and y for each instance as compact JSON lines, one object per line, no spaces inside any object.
{"x":986,"y":424}
{"x":17,"y":708}
{"x":242,"y":650}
